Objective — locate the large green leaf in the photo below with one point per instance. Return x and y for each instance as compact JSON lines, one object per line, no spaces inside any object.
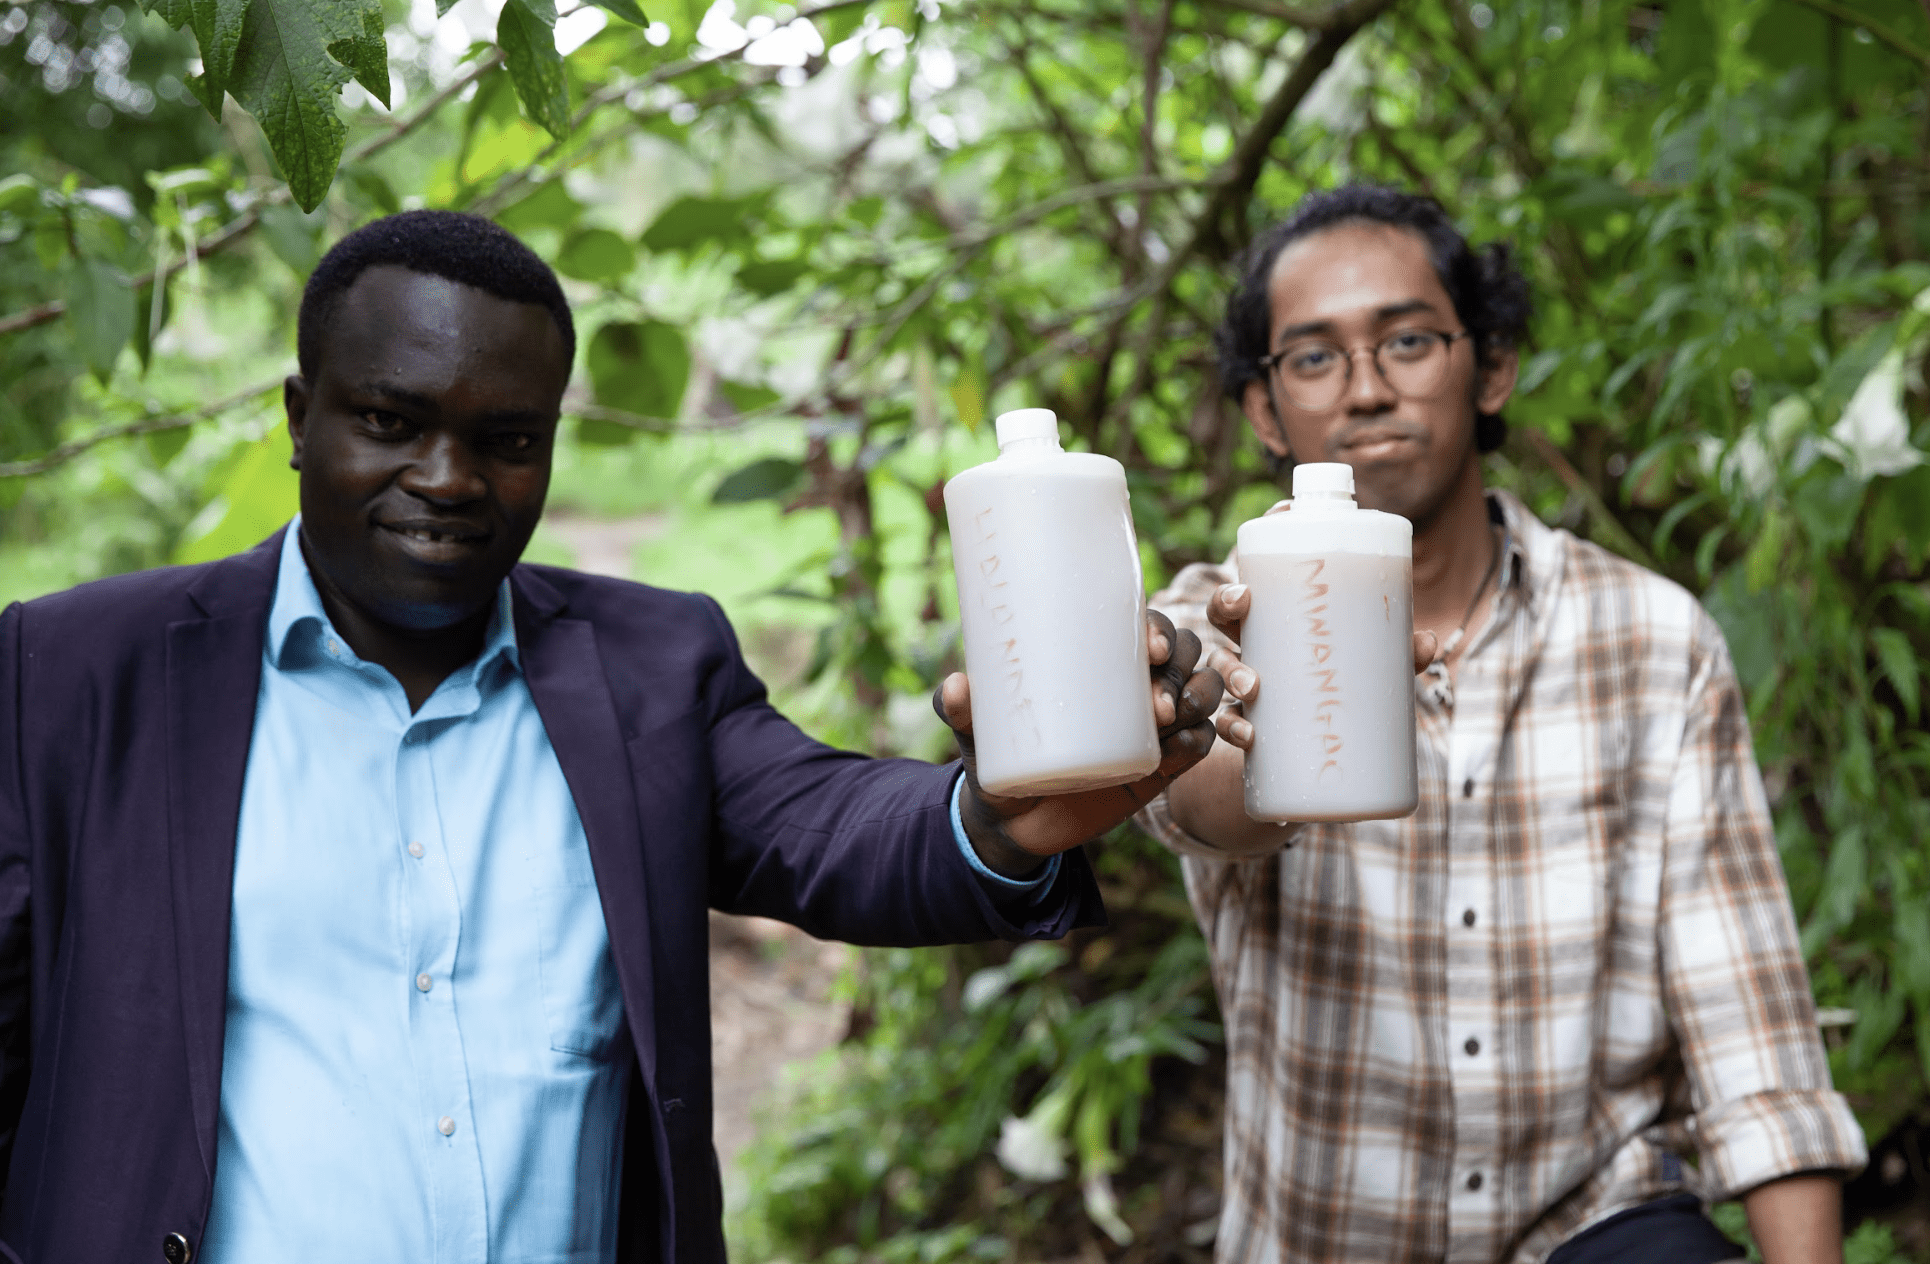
{"x":691,"y":221}
{"x":640,"y":367}
{"x":285,"y":76}
{"x":367,"y":55}
{"x":100,"y":311}
{"x":596,"y":254}
{"x":526,"y":32}
{"x":218,"y":27}
{"x":769,"y":478}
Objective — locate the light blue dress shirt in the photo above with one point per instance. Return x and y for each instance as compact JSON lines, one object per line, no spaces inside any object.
{"x":422,"y":1056}
{"x":422,"y":1059}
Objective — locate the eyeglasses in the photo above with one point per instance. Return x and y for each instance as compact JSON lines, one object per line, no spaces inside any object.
{"x":1314,"y":373}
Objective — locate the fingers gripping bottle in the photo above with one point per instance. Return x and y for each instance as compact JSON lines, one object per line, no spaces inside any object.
{"x":1330,"y":632}
{"x":1052,"y":611}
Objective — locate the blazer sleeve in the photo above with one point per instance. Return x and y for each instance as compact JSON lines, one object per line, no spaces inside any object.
{"x":15,"y":888}
{"x":849,"y":847}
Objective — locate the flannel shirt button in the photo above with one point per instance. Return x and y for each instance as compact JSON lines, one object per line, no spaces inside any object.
{"x":1467,"y":917}
{"x":1473,"y":1046}
{"x":1474,"y":1180}
{"x":1467,"y":788}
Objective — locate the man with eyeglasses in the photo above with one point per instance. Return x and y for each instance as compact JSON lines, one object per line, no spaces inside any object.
{"x":1563,"y":1005}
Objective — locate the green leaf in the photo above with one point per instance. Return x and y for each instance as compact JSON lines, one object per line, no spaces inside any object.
{"x":100,"y":311}
{"x":220,"y":27}
{"x":165,"y":445}
{"x":148,"y":322}
{"x":294,"y":237}
{"x":838,"y":26}
{"x":550,"y":206}
{"x":968,"y":397}
{"x":18,"y":193}
{"x":1842,"y":890}
{"x":1899,"y":661}
{"x":769,"y":478}
{"x":625,"y":9}
{"x":771,"y":276}
{"x":526,"y":32}
{"x":1764,"y":560}
{"x":746,"y":398}
{"x":596,"y":254}
{"x":373,"y":188}
{"x":691,"y":221}
{"x":367,"y":54}
{"x":259,"y":494}
{"x":640,"y":368}
{"x":285,"y":77}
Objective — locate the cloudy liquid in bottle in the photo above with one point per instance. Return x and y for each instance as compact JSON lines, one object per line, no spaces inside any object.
{"x":1330,"y":632}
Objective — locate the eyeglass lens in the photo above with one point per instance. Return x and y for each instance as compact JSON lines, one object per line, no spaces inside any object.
{"x":1313,"y":374}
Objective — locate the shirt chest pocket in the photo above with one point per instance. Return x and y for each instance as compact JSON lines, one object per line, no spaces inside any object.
{"x":582,"y":1003}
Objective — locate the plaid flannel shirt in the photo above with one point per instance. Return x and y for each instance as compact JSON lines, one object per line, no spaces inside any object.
{"x":1469,"y":1034}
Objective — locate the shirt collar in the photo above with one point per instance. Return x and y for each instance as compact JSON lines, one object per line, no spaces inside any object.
{"x":1531,"y":551}
{"x":297,"y":615}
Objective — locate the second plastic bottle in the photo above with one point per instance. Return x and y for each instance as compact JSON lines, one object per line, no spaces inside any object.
{"x":1051,"y":607}
{"x":1330,"y":632}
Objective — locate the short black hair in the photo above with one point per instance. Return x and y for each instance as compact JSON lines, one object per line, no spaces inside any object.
{"x":466,"y":249}
{"x":1488,"y":290}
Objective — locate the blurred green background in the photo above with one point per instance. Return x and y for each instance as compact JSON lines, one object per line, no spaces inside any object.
{"x":811,"y":255}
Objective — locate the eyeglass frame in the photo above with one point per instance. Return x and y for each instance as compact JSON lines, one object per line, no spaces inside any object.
{"x":1267,"y":363}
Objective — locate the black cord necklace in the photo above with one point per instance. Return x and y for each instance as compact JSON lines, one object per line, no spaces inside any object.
{"x":1440,"y":686}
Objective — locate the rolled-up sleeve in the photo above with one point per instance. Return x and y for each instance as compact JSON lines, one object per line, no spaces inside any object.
{"x":1734,"y":983}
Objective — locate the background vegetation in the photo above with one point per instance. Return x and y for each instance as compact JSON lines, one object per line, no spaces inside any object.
{"x":812,"y":254}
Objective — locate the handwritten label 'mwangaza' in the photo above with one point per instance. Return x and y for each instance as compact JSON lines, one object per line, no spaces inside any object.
{"x":1320,"y":652}
{"x":1011,"y":664}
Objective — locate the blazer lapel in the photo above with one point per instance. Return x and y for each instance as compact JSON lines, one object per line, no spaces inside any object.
{"x":572,"y":696}
{"x":213,"y":676}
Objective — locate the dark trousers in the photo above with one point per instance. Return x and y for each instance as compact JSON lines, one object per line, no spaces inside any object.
{"x":1669,"y":1230}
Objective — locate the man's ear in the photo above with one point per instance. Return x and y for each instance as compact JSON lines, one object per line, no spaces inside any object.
{"x":1497,"y":380}
{"x":1257,"y":403}
{"x":294,"y":402}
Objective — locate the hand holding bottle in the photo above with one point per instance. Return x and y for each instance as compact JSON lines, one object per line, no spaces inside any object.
{"x":1014,"y":834}
{"x":1226,"y":611}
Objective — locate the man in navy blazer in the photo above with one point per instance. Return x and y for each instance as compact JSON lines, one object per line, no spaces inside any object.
{"x":145,"y":729}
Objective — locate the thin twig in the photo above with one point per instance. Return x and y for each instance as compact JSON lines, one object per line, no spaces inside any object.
{"x":1608,"y":528}
{"x":146,"y":425}
{"x":1843,"y":13}
{"x":1300,"y":18}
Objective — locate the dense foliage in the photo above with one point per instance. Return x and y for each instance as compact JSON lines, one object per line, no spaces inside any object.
{"x":811,"y":255}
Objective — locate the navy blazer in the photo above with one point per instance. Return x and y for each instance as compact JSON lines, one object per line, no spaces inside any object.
{"x":126,"y":710}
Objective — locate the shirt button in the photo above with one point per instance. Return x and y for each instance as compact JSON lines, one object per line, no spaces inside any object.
{"x":1474,"y":1178}
{"x":176,"y":1249}
{"x":1467,"y":788}
{"x":447,"y":1127}
{"x":1473,"y":1046}
{"x":415,"y":849}
{"x":423,"y":983}
{"x":1467,"y":915}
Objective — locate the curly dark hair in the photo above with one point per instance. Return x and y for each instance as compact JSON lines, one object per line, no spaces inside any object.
{"x":467,"y":249}
{"x":1489,"y":292}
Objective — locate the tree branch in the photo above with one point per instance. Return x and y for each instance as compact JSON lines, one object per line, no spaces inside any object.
{"x":1609,"y":530}
{"x":1843,"y":13}
{"x":1301,"y":18}
{"x":146,"y":425}
{"x":1241,"y":172}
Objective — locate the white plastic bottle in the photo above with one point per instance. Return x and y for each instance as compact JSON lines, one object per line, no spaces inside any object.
{"x":1052,"y":609}
{"x":1330,"y":632}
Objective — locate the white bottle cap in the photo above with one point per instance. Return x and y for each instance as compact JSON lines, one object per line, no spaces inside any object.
{"x":1027,"y":423}
{"x":1323,"y":479}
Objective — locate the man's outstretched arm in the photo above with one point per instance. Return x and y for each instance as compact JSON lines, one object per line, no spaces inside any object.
{"x":1798,"y":1219}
